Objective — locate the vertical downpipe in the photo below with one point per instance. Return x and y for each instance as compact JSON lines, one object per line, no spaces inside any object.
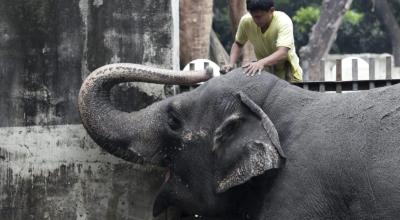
{"x":175,"y":39}
{"x":85,"y":14}
{"x":175,"y":34}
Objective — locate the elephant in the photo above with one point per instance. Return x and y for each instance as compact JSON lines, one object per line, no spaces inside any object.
{"x":239,"y":147}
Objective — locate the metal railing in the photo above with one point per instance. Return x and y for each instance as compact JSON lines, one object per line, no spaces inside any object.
{"x":355,"y":84}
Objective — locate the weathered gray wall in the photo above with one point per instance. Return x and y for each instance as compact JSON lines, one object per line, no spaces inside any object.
{"x":48,"y":46}
{"x":49,"y":167}
{"x":57,"y":172}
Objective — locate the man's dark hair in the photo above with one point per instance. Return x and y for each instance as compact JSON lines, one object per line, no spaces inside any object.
{"x":259,"y":5}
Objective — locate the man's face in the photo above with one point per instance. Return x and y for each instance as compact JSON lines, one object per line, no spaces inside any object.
{"x":262,"y":18}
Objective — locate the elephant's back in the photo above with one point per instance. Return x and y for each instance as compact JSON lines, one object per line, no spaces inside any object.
{"x":351,"y":143}
{"x":359,"y":131}
{"x":367,"y":119}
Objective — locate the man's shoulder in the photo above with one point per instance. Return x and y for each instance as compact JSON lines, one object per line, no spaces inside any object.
{"x":247,"y":23}
{"x":282,"y":17}
{"x":246,"y":18}
{"x":281,"y":14}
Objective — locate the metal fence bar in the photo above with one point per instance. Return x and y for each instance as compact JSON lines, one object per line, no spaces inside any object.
{"x":338,"y":76}
{"x":322,"y":76}
{"x":355,"y":85}
{"x":371,"y":73}
{"x":388,"y":70}
{"x":306,"y":77}
{"x":354,"y":72}
{"x":346,"y":85}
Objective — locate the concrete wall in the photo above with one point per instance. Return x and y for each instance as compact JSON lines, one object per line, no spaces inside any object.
{"x":49,"y":167}
{"x":57,"y":172}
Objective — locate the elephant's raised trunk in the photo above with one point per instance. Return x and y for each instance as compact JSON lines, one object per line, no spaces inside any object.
{"x":134,"y":136}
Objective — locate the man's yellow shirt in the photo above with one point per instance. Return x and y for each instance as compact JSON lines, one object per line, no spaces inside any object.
{"x":278,"y":34}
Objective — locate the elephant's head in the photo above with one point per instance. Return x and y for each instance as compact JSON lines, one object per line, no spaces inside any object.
{"x":211,"y":139}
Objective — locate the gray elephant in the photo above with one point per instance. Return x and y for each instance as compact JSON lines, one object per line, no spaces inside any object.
{"x":257,"y":147}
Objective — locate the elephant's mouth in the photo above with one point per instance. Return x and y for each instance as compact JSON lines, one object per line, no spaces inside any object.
{"x":162,"y":201}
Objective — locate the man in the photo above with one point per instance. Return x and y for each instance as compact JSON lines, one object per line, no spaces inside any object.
{"x":271,"y":33}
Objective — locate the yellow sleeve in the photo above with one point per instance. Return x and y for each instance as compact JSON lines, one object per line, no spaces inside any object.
{"x":285,"y":34}
{"x":241,"y":35}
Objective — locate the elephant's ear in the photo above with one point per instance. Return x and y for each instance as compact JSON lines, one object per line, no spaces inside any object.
{"x":246,"y":144}
{"x":265,"y":121}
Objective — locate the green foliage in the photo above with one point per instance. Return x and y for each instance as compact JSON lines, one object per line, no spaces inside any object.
{"x":353,"y":17}
{"x":306,"y":17}
{"x":360,"y":31}
{"x":368,"y":36}
{"x":290,"y":7}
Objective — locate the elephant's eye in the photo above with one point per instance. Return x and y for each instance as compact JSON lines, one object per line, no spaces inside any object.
{"x":173,"y":122}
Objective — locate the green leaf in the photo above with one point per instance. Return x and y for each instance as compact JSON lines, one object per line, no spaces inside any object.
{"x":306,"y":17}
{"x":353,"y":17}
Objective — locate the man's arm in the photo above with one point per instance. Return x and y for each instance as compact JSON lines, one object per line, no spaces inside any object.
{"x":236,"y":50}
{"x":280,"y":55}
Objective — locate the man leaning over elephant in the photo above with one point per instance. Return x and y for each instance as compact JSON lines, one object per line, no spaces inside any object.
{"x":271,"y":33}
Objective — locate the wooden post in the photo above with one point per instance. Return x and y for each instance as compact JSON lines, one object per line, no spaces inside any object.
{"x":371,"y":73}
{"x":305,"y":80}
{"x":305,"y":76}
{"x":354,"y":71}
{"x":338,"y":76}
{"x":322,"y":76}
{"x":388,"y":70}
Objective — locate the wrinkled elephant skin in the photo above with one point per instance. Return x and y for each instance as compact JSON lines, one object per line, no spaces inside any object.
{"x":257,"y":147}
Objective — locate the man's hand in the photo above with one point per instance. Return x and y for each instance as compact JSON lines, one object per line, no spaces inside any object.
{"x":226,"y":68}
{"x":253,"y":68}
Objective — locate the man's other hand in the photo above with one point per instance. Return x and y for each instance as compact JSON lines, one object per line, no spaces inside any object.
{"x":226,"y":68}
{"x":254,"y":68}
